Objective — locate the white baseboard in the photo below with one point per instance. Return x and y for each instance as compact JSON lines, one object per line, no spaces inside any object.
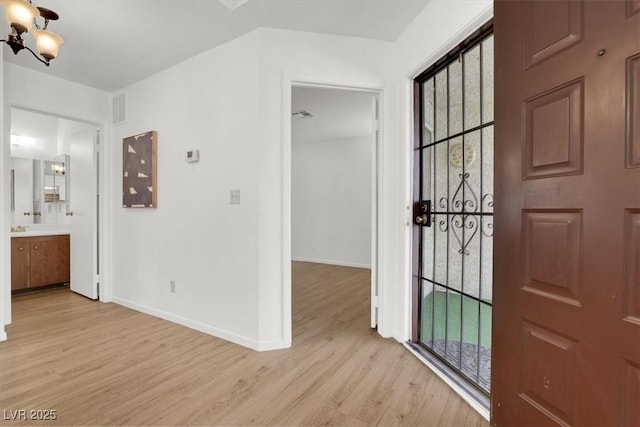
{"x":272,"y":345}
{"x":331,"y":262}
{"x":3,"y":335}
{"x":202,"y":327}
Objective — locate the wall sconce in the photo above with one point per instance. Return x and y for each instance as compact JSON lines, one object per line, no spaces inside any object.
{"x":58,"y":168}
{"x":21,"y":16}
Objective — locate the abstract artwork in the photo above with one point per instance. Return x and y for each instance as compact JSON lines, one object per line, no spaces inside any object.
{"x":139,"y":170}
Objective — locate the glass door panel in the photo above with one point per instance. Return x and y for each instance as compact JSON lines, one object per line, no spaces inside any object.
{"x":455,"y":180}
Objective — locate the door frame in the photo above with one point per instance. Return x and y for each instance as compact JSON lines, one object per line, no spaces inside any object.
{"x":101,"y":171}
{"x":466,"y":386}
{"x":413,"y":116}
{"x":288,"y":83}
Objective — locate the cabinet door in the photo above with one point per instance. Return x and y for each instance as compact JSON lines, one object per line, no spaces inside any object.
{"x":19,"y":264}
{"x":61,"y":273}
{"x":42,"y":260}
{"x":49,"y":260}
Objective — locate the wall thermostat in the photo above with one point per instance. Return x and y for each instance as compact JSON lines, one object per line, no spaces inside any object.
{"x":192,"y":156}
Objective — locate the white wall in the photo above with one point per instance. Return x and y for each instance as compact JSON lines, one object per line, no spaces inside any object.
{"x":70,"y":133}
{"x":34,"y":90}
{"x":331,"y":201}
{"x":228,"y":261}
{"x":47,"y":152}
{"x":231,"y":263}
{"x":436,"y":30}
{"x":5,"y":206}
{"x":194,"y":236}
{"x":38,"y":91}
{"x":68,"y":130}
{"x":44,"y":132}
{"x":286,"y":57}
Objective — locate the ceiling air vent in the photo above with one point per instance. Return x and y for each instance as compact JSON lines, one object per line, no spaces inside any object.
{"x":302,"y":114}
{"x":119,"y":108}
{"x":233,"y":4}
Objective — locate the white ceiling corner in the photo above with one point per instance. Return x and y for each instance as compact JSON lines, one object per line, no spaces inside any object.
{"x":233,"y":4}
{"x":110,"y":45}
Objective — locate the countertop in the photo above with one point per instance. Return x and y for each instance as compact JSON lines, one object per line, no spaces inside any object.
{"x":36,"y":233}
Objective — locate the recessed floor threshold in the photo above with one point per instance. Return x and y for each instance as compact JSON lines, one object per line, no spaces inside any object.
{"x":474,"y":397}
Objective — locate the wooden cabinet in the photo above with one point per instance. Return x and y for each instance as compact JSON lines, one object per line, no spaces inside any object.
{"x":39,"y":261}
{"x":20,"y":277}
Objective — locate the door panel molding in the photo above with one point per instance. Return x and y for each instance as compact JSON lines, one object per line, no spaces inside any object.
{"x":553,"y":123}
{"x":633,"y":111}
{"x":631,"y":394}
{"x":548,"y":387}
{"x":552,"y":254}
{"x":566,"y":313}
{"x":633,"y":7}
{"x":632,"y":265}
{"x":562,"y":22}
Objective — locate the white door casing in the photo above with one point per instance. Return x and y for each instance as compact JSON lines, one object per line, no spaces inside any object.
{"x":375,"y":132}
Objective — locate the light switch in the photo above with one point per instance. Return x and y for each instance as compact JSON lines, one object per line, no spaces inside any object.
{"x":234,"y":197}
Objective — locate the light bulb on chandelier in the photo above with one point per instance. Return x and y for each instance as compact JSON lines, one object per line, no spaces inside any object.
{"x":21,"y":16}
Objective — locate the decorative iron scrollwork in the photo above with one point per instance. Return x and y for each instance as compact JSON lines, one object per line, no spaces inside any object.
{"x":467,"y":217}
{"x":487,"y":200}
{"x":443,"y":203}
{"x":443,"y":225}
{"x":487,"y":227}
{"x":461,"y":201}
{"x":470,"y":202}
{"x":464,"y":222}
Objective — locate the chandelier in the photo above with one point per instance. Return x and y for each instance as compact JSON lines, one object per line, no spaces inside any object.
{"x":21,"y":16}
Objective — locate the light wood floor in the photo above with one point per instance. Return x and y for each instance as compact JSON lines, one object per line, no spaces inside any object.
{"x":102,"y":364}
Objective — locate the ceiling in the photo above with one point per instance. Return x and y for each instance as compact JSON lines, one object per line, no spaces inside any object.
{"x":337,"y":114}
{"x":110,"y":44}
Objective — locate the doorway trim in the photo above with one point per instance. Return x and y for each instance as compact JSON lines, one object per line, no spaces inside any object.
{"x":103,"y":211}
{"x":288,"y":83}
{"x":458,"y":37}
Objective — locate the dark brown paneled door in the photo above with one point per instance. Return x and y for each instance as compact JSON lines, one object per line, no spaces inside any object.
{"x":567,"y":213}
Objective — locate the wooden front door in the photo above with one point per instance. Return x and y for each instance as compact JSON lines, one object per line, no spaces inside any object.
{"x":567,"y":213}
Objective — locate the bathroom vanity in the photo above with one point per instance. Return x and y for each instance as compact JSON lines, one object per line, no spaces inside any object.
{"x":39,"y":259}
{"x":53,"y":169}
{"x":40,"y":245}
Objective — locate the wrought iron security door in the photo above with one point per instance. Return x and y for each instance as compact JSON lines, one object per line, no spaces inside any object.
{"x":453,"y":213}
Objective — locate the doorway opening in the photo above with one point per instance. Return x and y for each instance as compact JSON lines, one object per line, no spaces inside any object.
{"x":334,"y":154}
{"x":55,"y":203}
{"x":453,"y":214}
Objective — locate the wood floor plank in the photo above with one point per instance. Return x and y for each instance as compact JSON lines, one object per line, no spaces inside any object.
{"x":103,"y":364}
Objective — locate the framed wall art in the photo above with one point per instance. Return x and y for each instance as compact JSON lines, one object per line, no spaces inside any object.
{"x":140,"y":170}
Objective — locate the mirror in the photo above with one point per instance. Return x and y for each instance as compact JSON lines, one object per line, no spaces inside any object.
{"x":55,"y":186}
{"x":34,"y":182}
{"x":22,"y":188}
{"x":39,"y":169}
